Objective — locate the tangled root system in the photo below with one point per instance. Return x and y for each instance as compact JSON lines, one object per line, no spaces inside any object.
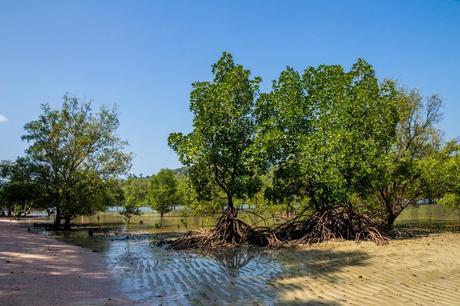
{"x":337,"y":223}
{"x":229,"y":231}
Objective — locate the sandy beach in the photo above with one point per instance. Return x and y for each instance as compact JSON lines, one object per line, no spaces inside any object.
{"x":419,"y":271}
{"x":36,"y":270}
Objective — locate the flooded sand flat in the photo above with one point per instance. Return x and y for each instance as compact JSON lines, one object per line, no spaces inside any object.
{"x":419,"y":271}
{"x":151,"y":275}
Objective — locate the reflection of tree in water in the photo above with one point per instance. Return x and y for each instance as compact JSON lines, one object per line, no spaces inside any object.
{"x":242,"y":275}
{"x":229,"y":260}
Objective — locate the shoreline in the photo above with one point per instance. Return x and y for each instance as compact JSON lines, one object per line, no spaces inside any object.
{"x":38,"y":270}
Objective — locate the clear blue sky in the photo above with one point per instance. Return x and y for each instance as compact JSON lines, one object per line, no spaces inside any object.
{"x":143,"y":55}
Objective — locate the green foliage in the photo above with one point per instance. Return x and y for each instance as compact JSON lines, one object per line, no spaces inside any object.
{"x":325,"y":134}
{"x":20,"y":190}
{"x":129,"y":210}
{"x":321,"y":139}
{"x":214,"y":205}
{"x":183,"y":190}
{"x":90,"y":194}
{"x":115,"y":191}
{"x":416,"y":149}
{"x":441,"y":175}
{"x":215,"y":152}
{"x":162,"y":192}
{"x":283,"y":117}
{"x":135,"y":191}
{"x":78,"y":152}
{"x":135,"y":195}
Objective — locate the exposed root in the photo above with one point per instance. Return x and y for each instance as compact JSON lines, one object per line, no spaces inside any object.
{"x":229,"y":231}
{"x":338,"y":223}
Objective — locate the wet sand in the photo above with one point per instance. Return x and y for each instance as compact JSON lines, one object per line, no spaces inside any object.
{"x":419,"y":271}
{"x":37,"y":270}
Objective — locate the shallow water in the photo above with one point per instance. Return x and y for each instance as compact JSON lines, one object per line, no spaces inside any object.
{"x":150,"y":274}
{"x":424,"y":215}
{"x":176,"y":221}
{"x":431,"y":216}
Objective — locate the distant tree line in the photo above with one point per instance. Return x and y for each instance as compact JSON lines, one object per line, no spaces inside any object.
{"x":163,"y":192}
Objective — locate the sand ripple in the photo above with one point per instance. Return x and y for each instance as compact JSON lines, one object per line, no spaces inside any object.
{"x":151,"y":275}
{"x":423,"y":271}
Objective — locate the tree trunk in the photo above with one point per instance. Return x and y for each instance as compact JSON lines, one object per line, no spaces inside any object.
{"x":9,"y":212}
{"x":391,"y":217}
{"x":67,"y":223}
{"x":231,"y":207}
{"x":390,"y":208}
{"x":57,"y":220}
{"x":161,"y":218}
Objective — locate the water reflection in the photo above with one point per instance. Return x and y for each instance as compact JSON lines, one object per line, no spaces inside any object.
{"x":430,"y":216}
{"x":229,"y":260}
{"x":82,"y":237}
{"x":147,"y":273}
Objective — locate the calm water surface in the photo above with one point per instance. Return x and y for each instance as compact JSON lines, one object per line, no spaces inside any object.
{"x":430,"y":215}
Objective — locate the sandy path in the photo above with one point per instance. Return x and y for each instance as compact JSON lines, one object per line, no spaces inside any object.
{"x":422,"y":271}
{"x":36,"y":270}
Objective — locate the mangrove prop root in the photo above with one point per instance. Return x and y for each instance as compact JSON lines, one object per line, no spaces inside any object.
{"x":229,"y":231}
{"x":338,"y":223}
